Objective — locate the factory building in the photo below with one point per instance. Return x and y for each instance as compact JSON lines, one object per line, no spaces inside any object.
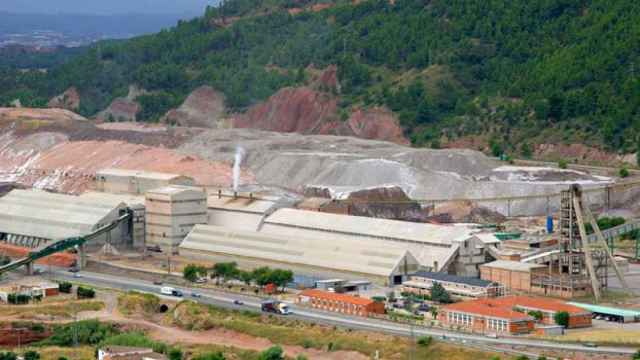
{"x":384,"y":262}
{"x":134,"y":202}
{"x":440,"y":248}
{"x":341,"y":303}
{"x":460,"y":286}
{"x":171,"y":213}
{"x":514,"y":275}
{"x":239,"y":211}
{"x":31,"y":218}
{"x":123,"y":181}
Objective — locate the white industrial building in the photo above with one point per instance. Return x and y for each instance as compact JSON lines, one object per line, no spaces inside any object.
{"x":241,"y":211}
{"x":446,"y":248}
{"x":171,"y":212}
{"x":32,"y":217}
{"x":385,"y":262}
{"x":123,"y":181}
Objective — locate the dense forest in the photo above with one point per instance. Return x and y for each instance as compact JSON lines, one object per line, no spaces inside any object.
{"x":515,"y":71}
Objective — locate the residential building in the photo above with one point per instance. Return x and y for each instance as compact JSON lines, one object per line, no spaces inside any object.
{"x":461,"y":286}
{"x":345,"y":304}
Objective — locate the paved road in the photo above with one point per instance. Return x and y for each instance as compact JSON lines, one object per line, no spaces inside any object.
{"x":226,"y":300}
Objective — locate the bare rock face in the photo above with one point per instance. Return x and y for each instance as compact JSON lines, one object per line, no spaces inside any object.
{"x":326,"y":79}
{"x":204,"y":107}
{"x":308,"y":111}
{"x":466,"y":211}
{"x":377,"y":123}
{"x":122,"y":109}
{"x":302,"y":110}
{"x":70,"y":100}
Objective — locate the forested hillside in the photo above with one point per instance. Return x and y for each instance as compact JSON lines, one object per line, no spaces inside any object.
{"x":514,"y":71}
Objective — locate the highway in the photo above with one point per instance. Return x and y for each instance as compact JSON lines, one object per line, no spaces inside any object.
{"x":226,"y":300}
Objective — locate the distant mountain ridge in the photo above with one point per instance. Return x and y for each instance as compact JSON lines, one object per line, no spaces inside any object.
{"x":513,"y":73}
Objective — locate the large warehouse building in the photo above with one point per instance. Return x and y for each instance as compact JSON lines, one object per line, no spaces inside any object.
{"x":385,"y":262}
{"x":445,"y":248}
{"x":31,"y":218}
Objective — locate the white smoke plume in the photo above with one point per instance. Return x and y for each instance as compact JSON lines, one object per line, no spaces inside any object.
{"x":236,"y":166}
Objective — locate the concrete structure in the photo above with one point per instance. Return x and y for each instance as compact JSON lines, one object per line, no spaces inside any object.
{"x":345,"y":304}
{"x":240,"y":211}
{"x":32,"y":218}
{"x":135,"y":203}
{"x":514,"y":275}
{"x":112,"y":352}
{"x":445,"y":248}
{"x":171,"y":212}
{"x":123,"y":181}
{"x":422,"y":282}
{"x":350,"y":258}
{"x":342,"y":286}
{"x":509,"y":315}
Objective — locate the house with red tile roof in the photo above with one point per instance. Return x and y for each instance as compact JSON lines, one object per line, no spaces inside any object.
{"x":342,"y":303}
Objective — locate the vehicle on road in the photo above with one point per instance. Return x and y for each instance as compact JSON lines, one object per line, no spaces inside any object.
{"x":74,"y":269}
{"x":590,"y":345}
{"x":275,"y":306}
{"x":157,"y":282}
{"x":196,"y":295}
{"x":154,"y":248}
{"x":167,"y":290}
{"x":238,"y":302}
{"x":201,"y":280}
{"x":77,"y":275}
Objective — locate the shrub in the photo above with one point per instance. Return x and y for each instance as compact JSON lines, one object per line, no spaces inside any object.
{"x":624,"y":172}
{"x":636,"y":356}
{"x":561,"y":318}
{"x":425,"y":340}
{"x":90,"y":332}
{"x":65,"y":287}
{"x":8,"y":356}
{"x":176,"y":354}
{"x":31,"y":355}
{"x":562,"y":164}
{"x":439,"y":294}
{"x":210,"y":356}
{"x":192,"y":272}
{"x":85,"y":293}
{"x":272,"y":353}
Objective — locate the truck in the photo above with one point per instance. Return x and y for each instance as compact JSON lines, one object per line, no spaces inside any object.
{"x":167,"y":290}
{"x":275,"y":306}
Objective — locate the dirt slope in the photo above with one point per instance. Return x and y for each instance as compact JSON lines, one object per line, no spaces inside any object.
{"x":70,"y":100}
{"x":204,"y":107}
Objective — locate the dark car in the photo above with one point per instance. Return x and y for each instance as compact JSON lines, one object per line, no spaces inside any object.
{"x":157,"y":282}
{"x":238,"y":302}
{"x":74,"y":270}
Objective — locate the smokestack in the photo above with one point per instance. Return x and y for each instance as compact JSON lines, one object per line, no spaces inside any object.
{"x":236,"y":167}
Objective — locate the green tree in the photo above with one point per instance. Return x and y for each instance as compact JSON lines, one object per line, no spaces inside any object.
{"x":563,"y":164}
{"x":226,"y":271}
{"x":636,"y":355}
{"x":525,"y":150}
{"x":537,"y":315}
{"x":8,"y":356}
{"x":273,"y":353}
{"x":192,"y":272}
{"x":440,"y":294}
{"x":624,"y":172}
{"x":31,"y":355}
{"x":425,"y":341}
{"x":561,"y":318}
{"x":281,"y":277}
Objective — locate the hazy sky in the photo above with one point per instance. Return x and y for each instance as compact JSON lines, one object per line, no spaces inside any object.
{"x":107,"y":6}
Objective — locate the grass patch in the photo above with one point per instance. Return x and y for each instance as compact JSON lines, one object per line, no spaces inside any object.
{"x":604,"y":337}
{"x":229,"y":352}
{"x":62,"y":309}
{"x":135,"y":303}
{"x":56,"y":352}
{"x":608,"y":297}
{"x":279,"y":330}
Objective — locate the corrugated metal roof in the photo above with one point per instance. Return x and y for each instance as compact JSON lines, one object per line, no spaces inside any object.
{"x":175,"y":189}
{"x":336,"y":297}
{"x":138,"y":174}
{"x":453,"y":278}
{"x":442,"y":235}
{"x":51,"y":216}
{"x":108,"y":198}
{"x":607,"y":310}
{"x":512,"y":265}
{"x":365,"y":257}
{"x":240,"y":204}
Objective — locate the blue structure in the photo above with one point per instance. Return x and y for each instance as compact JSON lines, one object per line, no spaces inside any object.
{"x":549,"y":224}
